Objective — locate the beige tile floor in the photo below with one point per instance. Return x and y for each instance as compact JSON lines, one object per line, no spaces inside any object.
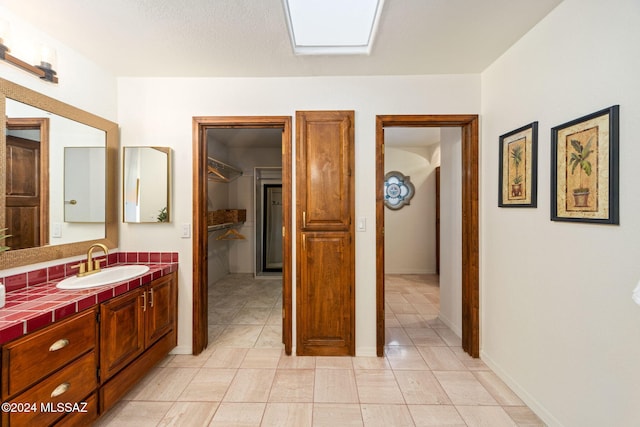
{"x":244,"y":379}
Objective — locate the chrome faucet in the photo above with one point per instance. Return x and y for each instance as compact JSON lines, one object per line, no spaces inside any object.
{"x":92,"y":265}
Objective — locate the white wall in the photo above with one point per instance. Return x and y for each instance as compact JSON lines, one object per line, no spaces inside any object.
{"x":82,"y":83}
{"x":410,"y":232}
{"x":558,"y":322}
{"x":157,"y":111}
{"x":451,"y":229}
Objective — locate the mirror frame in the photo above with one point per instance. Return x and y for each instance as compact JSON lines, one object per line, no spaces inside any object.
{"x":21,"y":257}
{"x":167,"y":151}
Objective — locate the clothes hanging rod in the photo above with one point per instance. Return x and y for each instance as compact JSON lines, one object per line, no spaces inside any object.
{"x":220,"y":171}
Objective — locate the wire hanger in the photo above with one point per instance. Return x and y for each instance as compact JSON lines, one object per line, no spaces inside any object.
{"x":231,"y":234}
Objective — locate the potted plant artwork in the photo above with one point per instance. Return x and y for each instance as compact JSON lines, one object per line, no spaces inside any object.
{"x":516,"y":184}
{"x":578,"y":160}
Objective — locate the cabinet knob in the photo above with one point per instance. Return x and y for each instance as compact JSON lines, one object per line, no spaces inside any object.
{"x":151,"y":298}
{"x":59,"y":344}
{"x":61,"y":389}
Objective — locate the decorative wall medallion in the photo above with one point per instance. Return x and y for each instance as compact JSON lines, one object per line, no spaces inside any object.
{"x":398,"y":190}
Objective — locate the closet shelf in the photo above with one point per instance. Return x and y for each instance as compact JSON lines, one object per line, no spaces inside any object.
{"x":220,"y":171}
{"x":224,"y":226}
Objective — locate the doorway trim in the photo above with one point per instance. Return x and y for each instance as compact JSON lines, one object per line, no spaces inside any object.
{"x":200,"y":234}
{"x":470,"y":226}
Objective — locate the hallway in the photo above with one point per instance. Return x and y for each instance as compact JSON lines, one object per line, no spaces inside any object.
{"x":244,"y":379}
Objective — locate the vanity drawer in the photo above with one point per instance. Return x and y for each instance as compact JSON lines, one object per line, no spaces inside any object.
{"x":28,"y":359}
{"x":82,"y":419}
{"x":70,"y":385}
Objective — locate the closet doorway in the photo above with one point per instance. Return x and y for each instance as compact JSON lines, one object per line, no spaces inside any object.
{"x":201,"y":127}
{"x":470,"y":227}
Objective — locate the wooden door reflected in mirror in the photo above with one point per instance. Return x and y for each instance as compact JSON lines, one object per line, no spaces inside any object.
{"x":27,"y":182}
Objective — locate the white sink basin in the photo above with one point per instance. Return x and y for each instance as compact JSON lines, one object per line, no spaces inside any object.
{"x":106,"y":276}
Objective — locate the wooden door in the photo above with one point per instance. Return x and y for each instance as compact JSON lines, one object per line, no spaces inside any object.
{"x":161,"y":308}
{"x":23,"y":193}
{"x":121,"y":331}
{"x":325,"y":288}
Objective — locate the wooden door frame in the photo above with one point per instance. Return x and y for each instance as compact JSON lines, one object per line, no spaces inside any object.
{"x":470,"y":225}
{"x":200,"y":234}
{"x":41,"y":124}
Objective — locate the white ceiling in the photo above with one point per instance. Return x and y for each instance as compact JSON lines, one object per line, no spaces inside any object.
{"x":223,"y":38}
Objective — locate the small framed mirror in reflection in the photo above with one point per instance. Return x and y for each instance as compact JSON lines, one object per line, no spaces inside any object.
{"x":84,"y":185}
{"x":146,"y":184}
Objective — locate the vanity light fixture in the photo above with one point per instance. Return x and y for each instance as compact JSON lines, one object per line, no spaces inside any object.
{"x":48,"y":59}
{"x":45,"y":70}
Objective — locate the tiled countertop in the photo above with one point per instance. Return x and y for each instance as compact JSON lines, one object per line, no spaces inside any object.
{"x":33,"y":307}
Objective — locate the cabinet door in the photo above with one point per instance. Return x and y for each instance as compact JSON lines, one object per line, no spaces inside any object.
{"x":326,"y":305}
{"x":161,"y":310}
{"x":121,"y":331}
{"x":324,"y":169}
{"x":325,"y":244}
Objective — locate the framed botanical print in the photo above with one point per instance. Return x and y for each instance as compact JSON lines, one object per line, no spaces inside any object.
{"x":584,"y":175}
{"x":518,"y":169}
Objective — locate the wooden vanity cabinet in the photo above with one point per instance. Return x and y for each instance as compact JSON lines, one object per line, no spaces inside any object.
{"x":91,"y":359}
{"x":137,"y":330}
{"x":53,"y":366}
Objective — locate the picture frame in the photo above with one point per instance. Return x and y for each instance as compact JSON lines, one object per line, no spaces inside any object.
{"x":518,"y":168}
{"x":585,"y":169}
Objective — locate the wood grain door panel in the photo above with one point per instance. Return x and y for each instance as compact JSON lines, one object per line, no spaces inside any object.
{"x":325,"y":293}
{"x":123,"y":318}
{"x":161,"y":308}
{"x":23,"y":193}
{"x":326,"y":305}
{"x":324,"y":140}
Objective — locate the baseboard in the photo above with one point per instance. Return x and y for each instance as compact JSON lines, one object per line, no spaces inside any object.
{"x":529,"y":400}
{"x":366,"y":352}
{"x":455,"y":328}
{"x":182,"y":349}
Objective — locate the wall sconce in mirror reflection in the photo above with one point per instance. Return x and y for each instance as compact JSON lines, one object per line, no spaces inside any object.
{"x":84,"y":184}
{"x":146,"y":184}
{"x":45,"y":70}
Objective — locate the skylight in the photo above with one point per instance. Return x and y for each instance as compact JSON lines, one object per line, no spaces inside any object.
{"x":332,"y":27}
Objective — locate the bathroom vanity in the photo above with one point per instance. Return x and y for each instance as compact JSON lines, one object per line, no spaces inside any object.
{"x":76,"y":368}
{"x":68,"y":355}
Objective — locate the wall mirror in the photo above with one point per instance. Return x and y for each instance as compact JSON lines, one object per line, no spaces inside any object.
{"x":146,"y":184}
{"x":37,"y":131}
